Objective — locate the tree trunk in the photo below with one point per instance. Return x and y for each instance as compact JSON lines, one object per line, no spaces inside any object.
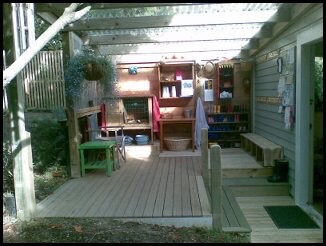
{"x":67,"y":17}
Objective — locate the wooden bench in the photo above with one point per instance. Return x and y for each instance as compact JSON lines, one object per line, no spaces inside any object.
{"x":265,"y":150}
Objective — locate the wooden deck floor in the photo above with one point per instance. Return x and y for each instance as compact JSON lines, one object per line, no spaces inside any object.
{"x":150,"y":185}
{"x":263,"y":228}
{"x":146,"y":186}
{"x":169,"y":190}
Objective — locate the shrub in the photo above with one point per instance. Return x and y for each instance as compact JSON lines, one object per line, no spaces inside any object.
{"x":49,"y":145}
{"x":8,"y":177}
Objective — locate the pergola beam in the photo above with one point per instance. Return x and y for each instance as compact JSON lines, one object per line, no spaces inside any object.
{"x":91,"y":24}
{"x":280,"y":27}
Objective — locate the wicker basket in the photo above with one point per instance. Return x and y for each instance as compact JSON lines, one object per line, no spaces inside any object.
{"x":177,"y":143}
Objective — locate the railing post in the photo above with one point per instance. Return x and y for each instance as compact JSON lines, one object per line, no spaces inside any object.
{"x":204,"y":157}
{"x":216,"y":187}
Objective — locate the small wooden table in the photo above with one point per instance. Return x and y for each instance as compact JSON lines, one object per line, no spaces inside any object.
{"x":177,"y":120}
{"x":107,"y":163}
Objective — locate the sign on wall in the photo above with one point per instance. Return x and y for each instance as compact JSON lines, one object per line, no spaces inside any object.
{"x":208,"y":90}
{"x":286,"y":85}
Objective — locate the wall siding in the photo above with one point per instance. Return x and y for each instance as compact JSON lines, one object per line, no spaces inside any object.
{"x":267,"y":121}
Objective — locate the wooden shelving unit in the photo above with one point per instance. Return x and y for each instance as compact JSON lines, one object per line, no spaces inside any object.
{"x":176,"y":80}
{"x":225,"y":127}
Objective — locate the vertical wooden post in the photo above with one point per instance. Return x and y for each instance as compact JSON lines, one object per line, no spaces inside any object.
{"x":216,"y":187}
{"x":74,"y":141}
{"x":20,"y":138}
{"x":204,"y":157}
{"x":72,"y":121}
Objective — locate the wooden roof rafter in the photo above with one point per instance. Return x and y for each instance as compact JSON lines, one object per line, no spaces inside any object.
{"x":129,"y":29}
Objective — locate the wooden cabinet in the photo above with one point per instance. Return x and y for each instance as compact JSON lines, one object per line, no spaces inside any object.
{"x":225,"y":127}
{"x":134,"y":113}
{"x":176,"y":80}
{"x":225,"y":81}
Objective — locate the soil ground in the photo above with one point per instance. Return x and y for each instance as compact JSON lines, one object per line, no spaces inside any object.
{"x":87,"y":230}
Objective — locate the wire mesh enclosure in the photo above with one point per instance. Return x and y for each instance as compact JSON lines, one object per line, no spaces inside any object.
{"x":135,"y":110}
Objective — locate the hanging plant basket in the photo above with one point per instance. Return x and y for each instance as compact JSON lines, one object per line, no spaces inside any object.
{"x":87,"y":65}
{"x":93,"y":71}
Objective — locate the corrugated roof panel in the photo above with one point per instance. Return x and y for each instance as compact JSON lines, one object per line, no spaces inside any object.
{"x":182,"y":9}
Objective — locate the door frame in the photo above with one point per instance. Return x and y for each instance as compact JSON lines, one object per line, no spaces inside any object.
{"x":303,"y":155}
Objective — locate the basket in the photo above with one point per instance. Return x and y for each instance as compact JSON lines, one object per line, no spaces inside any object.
{"x":177,"y":143}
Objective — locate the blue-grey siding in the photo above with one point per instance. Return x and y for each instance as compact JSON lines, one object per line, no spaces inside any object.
{"x":267,"y":121}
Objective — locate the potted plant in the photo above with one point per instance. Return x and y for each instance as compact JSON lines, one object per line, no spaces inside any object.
{"x":87,"y":65}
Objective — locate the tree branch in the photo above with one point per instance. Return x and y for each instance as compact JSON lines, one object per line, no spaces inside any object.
{"x":67,"y":17}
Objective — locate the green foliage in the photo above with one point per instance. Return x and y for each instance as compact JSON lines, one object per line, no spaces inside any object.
{"x":8,"y":177}
{"x":49,"y":147}
{"x":319,"y":84}
{"x":40,"y":26}
{"x":76,"y":67}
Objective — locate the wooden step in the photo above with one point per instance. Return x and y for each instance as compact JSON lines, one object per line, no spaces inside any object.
{"x":233,"y":219}
{"x":247,"y":172}
{"x":256,"y":187}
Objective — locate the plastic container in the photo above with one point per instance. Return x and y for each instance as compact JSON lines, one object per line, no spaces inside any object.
{"x":187,"y":113}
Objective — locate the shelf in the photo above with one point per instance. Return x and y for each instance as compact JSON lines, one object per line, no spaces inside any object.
{"x":225,"y":78}
{"x":226,"y":87}
{"x":227,"y":122}
{"x":226,"y":113}
{"x":231,"y":131}
{"x":172,"y":81}
{"x":177,"y":79}
{"x":226,"y":140}
{"x":226,"y":127}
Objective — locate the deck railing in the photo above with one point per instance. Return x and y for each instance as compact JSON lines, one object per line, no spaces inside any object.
{"x":212,"y":178}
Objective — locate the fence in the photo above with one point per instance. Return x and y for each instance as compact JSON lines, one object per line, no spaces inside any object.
{"x":43,"y":80}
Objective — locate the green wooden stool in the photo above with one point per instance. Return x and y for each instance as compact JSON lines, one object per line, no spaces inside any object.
{"x":107,"y":163}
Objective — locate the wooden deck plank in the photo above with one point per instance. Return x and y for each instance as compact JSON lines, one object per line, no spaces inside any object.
{"x":101,"y":195}
{"x":113,"y":202}
{"x":139,"y":184}
{"x":205,"y":204}
{"x":69,"y":200}
{"x":264,"y":229}
{"x":95,"y":186}
{"x":177,"y":200}
{"x":146,"y":189}
{"x":194,"y":196}
{"x":159,"y":202}
{"x":49,"y":203}
{"x":185,"y":190}
{"x":107,"y":196}
{"x":168,"y":203}
{"x":93,"y":201}
{"x":149,"y":208}
{"x":231,"y":219}
{"x":93,"y":197}
{"x":197,"y":166}
{"x":241,"y":220}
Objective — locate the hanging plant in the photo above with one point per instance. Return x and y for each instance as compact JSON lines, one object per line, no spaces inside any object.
{"x":93,"y":71}
{"x":87,"y":65}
